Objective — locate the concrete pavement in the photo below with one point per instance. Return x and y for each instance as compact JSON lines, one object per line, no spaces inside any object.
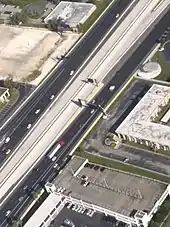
{"x":57,"y":127}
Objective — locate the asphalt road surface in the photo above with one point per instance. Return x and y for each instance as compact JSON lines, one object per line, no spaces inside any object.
{"x":17,"y":128}
{"x":44,"y":170}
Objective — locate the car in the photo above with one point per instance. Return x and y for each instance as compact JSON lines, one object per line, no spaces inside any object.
{"x":25,"y":187}
{"x":55,"y":165}
{"x":8,"y":151}
{"x":54,"y":158}
{"x":69,"y":223}
{"x":105,"y":117}
{"x":71,"y":72}
{"x":8,"y":213}
{"x":117,"y":15}
{"x":82,"y":210}
{"x":111,"y":88}
{"x":29,"y":126}
{"x":126,"y":160}
{"x":7,"y":139}
{"x":37,"y":111}
{"x":52,"y":97}
{"x":93,"y":101}
{"x":92,"y":111}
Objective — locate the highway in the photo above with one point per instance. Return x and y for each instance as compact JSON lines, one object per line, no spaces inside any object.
{"x":17,"y":128}
{"x":44,"y":171}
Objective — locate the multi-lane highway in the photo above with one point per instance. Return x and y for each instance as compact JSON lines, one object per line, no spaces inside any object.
{"x":45,"y":170}
{"x":17,"y":128}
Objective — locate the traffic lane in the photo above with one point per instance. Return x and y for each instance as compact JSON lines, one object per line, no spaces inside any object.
{"x":61,"y":80}
{"x":105,"y":95}
{"x":76,"y":57}
{"x":14,"y":142}
{"x":13,"y":202}
{"x":21,"y":130}
{"x":44,"y":169}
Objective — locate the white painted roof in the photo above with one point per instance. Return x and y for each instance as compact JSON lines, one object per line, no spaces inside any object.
{"x":43,"y":211}
{"x":149,"y":70}
{"x":138,"y":123}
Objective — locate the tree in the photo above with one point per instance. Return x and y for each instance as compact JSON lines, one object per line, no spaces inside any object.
{"x":36,"y":193}
{"x":9,"y":83}
{"x":18,"y":18}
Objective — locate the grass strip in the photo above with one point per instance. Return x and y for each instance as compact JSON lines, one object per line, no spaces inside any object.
{"x":120,"y":166}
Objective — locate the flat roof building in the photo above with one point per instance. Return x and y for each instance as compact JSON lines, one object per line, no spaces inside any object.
{"x":143,"y":124}
{"x":72,"y":13}
{"x":129,"y":198}
{"x":6,"y":11}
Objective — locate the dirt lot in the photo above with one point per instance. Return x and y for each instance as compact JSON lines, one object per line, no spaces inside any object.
{"x":24,"y":50}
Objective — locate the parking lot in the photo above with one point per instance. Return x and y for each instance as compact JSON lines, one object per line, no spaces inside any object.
{"x":136,"y":156}
{"x":83,"y":220}
{"x":95,"y":185}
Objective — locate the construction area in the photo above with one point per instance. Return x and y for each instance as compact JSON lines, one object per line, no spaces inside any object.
{"x":25,"y":53}
{"x":110,"y":189}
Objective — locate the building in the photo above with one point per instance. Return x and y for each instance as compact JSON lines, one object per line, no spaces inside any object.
{"x":71,"y":13}
{"x":6,"y":11}
{"x":149,"y":70}
{"x":144,"y":124}
{"x":126,"y":197}
{"x":4,"y":94}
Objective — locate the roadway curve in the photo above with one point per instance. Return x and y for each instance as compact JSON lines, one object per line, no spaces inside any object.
{"x":45,"y":171}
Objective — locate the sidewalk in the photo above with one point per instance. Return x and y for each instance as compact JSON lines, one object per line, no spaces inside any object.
{"x":64,"y":110}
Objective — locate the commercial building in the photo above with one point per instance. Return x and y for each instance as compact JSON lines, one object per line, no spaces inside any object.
{"x":6,"y":11}
{"x":71,"y":13}
{"x":144,"y":124}
{"x":128,"y":198}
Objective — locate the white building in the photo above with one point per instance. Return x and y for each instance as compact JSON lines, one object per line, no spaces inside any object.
{"x":72,"y":13}
{"x":143,"y":124}
{"x":149,"y":70}
{"x":129,"y":198}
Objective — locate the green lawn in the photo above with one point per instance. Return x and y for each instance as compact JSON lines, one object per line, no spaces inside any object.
{"x":121,"y":166}
{"x":13,"y":98}
{"x":161,"y":215}
{"x":167,"y":222}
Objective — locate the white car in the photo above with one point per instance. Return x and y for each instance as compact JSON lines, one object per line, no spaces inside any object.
{"x":52,"y":96}
{"x":105,"y":117}
{"x":71,"y":72}
{"x":117,"y":15}
{"x":92,"y":111}
{"x":8,"y":151}
{"x":55,"y":165}
{"x":7,"y":213}
{"x":7,"y":139}
{"x":111,"y":88}
{"x":54,"y":158}
{"x":28,"y":126}
{"x":37,"y":111}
